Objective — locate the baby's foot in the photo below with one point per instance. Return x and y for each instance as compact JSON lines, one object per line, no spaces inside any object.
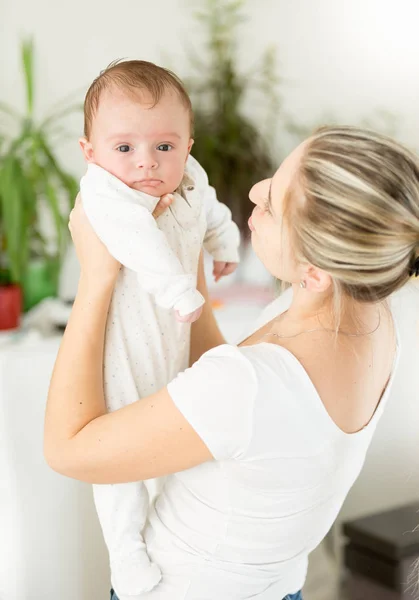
{"x":189,"y":318}
{"x":134,"y":577}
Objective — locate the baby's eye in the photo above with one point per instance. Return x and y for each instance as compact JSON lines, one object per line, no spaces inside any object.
{"x":164,"y":147}
{"x":124,"y":148}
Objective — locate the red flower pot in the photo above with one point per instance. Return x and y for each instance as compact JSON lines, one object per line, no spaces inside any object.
{"x":10,"y":306}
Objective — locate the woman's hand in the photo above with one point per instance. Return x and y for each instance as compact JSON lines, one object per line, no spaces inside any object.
{"x":164,"y":202}
{"x":96,"y":263}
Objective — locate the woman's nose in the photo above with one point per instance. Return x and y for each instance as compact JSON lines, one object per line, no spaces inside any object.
{"x":256,"y":200}
{"x":253,"y":195}
{"x":259,"y":191}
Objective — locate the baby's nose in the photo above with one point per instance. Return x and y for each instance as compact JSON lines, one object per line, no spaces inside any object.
{"x":147,"y":161}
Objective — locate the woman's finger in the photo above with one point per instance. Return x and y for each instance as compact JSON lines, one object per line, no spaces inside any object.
{"x":162,"y":205}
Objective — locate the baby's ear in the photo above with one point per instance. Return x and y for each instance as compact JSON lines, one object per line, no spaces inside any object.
{"x":191,"y":143}
{"x":86,"y":148}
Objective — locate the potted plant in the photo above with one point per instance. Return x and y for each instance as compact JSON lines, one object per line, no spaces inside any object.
{"x":33,"y":186}
{"x":10,"y":303}
{"x":232,"y":147}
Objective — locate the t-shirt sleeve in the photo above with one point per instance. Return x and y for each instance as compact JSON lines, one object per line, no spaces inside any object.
{"x":216,"y":396}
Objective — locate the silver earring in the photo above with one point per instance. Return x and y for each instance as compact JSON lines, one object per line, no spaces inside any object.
{"x":302,"y":284}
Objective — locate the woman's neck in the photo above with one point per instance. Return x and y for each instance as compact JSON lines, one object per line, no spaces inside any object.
{"x":312,"y":307}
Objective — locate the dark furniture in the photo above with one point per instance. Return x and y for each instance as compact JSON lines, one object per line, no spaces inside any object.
{"x":380,"y":554}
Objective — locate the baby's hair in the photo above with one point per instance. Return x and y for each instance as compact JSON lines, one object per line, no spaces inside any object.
{"x":132,"y":77}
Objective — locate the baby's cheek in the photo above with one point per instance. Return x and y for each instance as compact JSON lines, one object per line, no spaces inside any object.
{"x":175,"y":174}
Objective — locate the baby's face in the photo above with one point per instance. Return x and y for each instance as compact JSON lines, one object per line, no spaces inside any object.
{"x":146,"y":147}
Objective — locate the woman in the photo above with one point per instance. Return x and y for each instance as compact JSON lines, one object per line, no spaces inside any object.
{"x":262,"y":441}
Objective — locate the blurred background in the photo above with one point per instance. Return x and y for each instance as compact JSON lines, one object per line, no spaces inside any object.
{"x":262,"y":75}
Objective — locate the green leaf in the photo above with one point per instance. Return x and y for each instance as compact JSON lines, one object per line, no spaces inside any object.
{"x":8,"y":110}
{"x":28,"y":71}
{"x":67,"y":181}
{"x":53,"y":201}
{"x":15,"y":215}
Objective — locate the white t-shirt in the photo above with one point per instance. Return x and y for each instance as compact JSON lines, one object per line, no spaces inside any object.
{"x":242,"y":526}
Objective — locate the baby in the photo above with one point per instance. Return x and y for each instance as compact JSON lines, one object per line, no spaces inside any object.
{"x":138,"y":135}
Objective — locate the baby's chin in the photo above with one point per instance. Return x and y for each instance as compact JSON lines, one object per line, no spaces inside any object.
{"x":155,"y":189}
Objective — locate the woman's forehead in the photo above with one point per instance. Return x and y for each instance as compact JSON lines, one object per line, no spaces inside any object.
{"x":286,"y":172}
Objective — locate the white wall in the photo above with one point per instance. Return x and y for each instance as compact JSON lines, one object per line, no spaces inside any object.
{"x":347,"y":58}
{"x":337,"y":57}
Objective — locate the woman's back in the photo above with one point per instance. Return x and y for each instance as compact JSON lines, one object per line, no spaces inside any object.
{"x":249,"y":520}
{"x":349,"y":372}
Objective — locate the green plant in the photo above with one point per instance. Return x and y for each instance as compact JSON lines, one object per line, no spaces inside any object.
{"x":234,"y":150}
{"x":32,"y":181}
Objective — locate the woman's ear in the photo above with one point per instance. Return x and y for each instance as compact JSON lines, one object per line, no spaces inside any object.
{"x":317,"y":280}
{"x":87,"y":149}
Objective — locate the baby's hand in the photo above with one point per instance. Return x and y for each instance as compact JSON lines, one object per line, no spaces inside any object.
{"x":189,"y":318}
{"x":221,"y":269}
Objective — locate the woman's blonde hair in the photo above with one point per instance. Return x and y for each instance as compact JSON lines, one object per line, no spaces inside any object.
{"x":353,"y":211}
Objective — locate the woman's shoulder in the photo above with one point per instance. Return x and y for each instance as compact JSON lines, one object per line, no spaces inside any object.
{"x":221,"y":371}
{"x":228,"y":362}
{"x":217,"y":395}
{"x":258,"y":368}
{"x":235,"y":396}
{"x":273,"y":364}
{"x":249,"y":357}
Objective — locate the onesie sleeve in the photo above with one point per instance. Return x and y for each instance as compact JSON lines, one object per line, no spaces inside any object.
{"x":222,"y":237}
{"x":122,"y":219}
{"x":216,"y":396}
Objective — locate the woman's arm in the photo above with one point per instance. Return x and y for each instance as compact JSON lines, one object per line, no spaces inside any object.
{"x":146,"y":439}
{"x":205,"y":333}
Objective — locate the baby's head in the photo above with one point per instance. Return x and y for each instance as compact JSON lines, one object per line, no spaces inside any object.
{"x":138,"y":125}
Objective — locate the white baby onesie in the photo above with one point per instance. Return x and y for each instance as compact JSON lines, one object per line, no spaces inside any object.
{"x":145,"y":346}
